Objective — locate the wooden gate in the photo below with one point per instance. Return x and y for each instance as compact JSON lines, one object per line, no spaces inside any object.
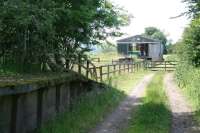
{"x":161,"y":65}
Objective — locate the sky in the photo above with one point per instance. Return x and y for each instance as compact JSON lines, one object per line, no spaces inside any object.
{"x":155,"y":13}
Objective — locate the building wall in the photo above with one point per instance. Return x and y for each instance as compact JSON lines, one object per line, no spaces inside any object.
{"x":122,"y":48}
{"x":155,"y":52}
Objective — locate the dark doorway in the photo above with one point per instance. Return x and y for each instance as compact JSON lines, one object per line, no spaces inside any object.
{"x":143,"y":48}
{"x":130,"y":48}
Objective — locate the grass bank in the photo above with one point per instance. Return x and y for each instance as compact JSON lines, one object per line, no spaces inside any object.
{"x":188,"y":79}
{"x":92,"y":108}
{"x":171,"y":57}
{"x":153,"y":116}
{"x":126,"y":82}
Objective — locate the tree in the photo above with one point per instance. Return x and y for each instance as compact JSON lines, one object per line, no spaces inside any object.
{"x":157,"y":34}
{"x":42,"y":32}
{"x":193,"y":8}
{"x":170,"y":48}
{"x":189,"y":49}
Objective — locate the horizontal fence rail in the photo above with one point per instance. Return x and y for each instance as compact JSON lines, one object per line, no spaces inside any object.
{"x":161,"y":65}
{"x":109,"y":70}
{"x":99,"y":73}
{"x":96,"y":59}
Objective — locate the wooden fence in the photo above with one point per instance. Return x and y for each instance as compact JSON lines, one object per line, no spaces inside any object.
{"x":161,"y":65}
{"x":89,"y":70}
{"x":106,"y":71}
{"x":86,"y":68}
{"x":96,"y":59}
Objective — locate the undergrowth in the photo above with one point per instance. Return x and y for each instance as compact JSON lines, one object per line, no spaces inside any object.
{"x":188,"y":79}
{"x":86,"y":112}
{"x":92,"y":108}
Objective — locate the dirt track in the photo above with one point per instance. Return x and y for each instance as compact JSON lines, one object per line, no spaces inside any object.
{"x":118,"y":119}
{"x":182,"y":113}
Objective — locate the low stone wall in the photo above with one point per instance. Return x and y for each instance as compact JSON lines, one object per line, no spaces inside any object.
{"x":26,"y":107}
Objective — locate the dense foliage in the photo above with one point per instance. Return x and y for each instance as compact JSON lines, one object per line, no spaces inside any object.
{"x":193,"y":8}
{"x":48,"y":34}
{"x":157,"y":34}
{"x":188,"y":50}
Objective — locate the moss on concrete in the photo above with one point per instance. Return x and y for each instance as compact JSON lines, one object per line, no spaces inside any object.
{"x":39,"y":79}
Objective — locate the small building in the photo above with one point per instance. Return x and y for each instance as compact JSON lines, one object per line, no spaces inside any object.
{"x":146,"y":48}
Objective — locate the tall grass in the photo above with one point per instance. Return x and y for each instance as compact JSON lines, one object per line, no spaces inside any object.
{"x":91,"y":108}
{"x":85,"y":113}
{"x":153,"y":116}
{"x":188,"y":78}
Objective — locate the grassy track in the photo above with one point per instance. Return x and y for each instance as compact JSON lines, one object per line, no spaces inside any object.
{"x":126,"y":82}
{"x":92,"y":108}
{"x":153,"y":116}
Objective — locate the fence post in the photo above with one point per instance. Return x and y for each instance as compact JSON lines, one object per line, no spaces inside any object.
{"x":119,"y":68}
{"x":132,"y":67}
{"x":114,"y":67}
{"x":128,"y":68}
{"x":108,"y":71}
{"x":88,"y":67}
{"x":137,"y":67}
{"x":79,"y":64}
{"x":124,"y":67}
{"x":165,"y":66}
{"x":145,"y":65}
{"x":101,"y":73}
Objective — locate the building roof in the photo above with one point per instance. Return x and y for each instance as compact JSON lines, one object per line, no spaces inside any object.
{"x":138,"y":39}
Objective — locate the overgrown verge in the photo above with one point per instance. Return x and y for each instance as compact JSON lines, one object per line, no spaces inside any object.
{"x":188,"y":79}
{"x":86,"y":112}
{"x":91,"y":108}
{"x":153,"y":116}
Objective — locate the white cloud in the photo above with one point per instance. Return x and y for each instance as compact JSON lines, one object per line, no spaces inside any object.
{"x":155,"y":13}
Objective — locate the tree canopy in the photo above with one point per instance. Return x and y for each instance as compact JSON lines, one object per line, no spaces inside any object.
{"x":37,"y":32}
{"x":193,"y":8}
{"x":189,"y":47}
{"x":157,"y":34}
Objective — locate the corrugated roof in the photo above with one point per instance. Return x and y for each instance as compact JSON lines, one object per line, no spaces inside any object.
{"x":138,"y":39}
